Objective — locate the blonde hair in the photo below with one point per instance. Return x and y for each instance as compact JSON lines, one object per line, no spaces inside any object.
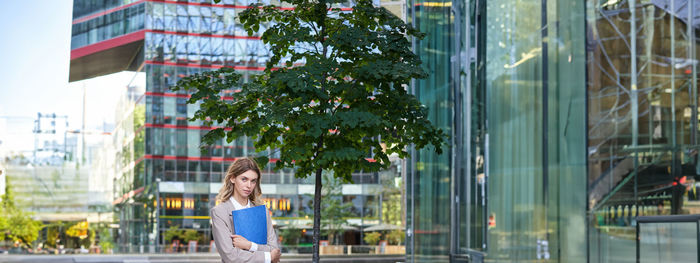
{"x":237,"y":168}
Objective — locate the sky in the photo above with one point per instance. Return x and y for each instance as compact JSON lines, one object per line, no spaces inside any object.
{"x":35,"y":57}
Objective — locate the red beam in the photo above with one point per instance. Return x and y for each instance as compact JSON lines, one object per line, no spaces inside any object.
{"x":192,"y":65}
{"x":196,"y":158}
{"x":200,"y":35}
{"x":186,"y":127}
{"x":127,"y":196}
{"x":107,"y":44}
{"x":167,"y":94}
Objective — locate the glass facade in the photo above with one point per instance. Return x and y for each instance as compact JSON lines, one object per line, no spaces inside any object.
{"x":567,"y":121}
{"x":124,"y":18}
{"x":518,"y":134}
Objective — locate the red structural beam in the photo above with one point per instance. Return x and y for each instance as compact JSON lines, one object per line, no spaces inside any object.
{"x":200,"y":35}
{"x":193,"y":65}
{"x":107,"y":44}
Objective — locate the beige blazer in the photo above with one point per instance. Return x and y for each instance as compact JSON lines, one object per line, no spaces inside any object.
{"x":222,"y":229}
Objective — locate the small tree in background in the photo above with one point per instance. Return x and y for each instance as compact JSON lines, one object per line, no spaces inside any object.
{"x":332,"y":97}
{"x":173,"y":233}
{"x":106,"y":242}
{"x":16,"y":224}
{"x":333,"y":210}
{"x":290,"y":236}
{"x":373,"y":238}
{"x":192,"y":235}
{"x":396,"y":237}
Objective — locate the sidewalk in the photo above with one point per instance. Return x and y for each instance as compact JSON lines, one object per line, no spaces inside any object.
{"x":196,"y":258}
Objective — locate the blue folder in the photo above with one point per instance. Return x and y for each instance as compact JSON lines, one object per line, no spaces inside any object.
{"x":251,"y":223}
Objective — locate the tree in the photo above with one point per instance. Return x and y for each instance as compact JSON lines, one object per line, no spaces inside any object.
{"x":173,"y":233}
{"x":333,"y":209}
{"x":392,"y":211}
{"x":332,"y":93}
{"x":106,"y":242}
{"x":290,"y":236}
{"x":16,"y":224}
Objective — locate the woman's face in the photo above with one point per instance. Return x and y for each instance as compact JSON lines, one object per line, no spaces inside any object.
{"x":244,"y":184}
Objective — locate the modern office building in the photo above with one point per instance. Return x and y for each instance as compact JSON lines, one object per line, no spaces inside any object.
{"x":162,"y":178}
{"x":569,"y":119}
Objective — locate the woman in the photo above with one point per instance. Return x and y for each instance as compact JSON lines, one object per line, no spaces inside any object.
{"x":241,"y":189}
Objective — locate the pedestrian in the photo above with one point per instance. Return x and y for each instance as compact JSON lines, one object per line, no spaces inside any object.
{"x":241,"y":189}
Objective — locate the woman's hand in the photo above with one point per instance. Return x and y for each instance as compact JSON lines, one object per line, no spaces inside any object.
{"x":240,"y":242}
{"x":275,"y":255}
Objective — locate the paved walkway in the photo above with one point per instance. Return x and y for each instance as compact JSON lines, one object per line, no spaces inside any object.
{"x":195,"y":258}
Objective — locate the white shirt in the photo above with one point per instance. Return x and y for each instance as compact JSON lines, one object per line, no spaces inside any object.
{"x":253,"y":246}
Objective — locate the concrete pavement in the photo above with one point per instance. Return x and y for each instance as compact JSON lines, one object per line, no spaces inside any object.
{"x":195,"y":258}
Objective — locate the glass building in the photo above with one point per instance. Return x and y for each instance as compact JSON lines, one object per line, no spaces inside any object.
{"x":568,"y":119}
{"x":162,"y":177}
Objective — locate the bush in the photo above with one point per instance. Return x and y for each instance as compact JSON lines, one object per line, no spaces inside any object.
{"x":372,"y":238}
{"x":192,"y":234}
{"x":396,"y":237}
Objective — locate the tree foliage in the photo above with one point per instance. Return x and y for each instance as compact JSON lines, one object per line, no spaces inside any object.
{"x":392,"y":202}
{"x":396,"y":237}
{"x":16,"y":224}
{"x":332,"y":96}
{"x":192,"y":235}
{"x":290,"y":236}
{"x":346,"y":102}
{"x":174,"y":233}
{"x":372,"y":238}
{"x":106,"y":241}
{"x":334,"y":210}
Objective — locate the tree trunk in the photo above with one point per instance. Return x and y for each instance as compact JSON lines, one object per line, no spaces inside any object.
{"x":317,"y":216}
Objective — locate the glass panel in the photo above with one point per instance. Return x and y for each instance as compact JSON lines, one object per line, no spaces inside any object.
{"x":193,"y":49}
{"x":182,"y":17}
{"x":205,"y":21}
{"x":193,"y":143}
{"x":181,"y":146}
{"x":217,"y":26}
{"x":515,"y":179}
{"x":168,"y":48}
{"x":170,"y":17}
{"x":181,"y":49}
{"x":431,"y":189}
{"x":169,"y":109}
{"x":566,"y":142}
{"x":217,"y":51}
{"x":239,"y":51}
{"x":229,"y":21}
{"x":193,"y":24}
{"x":205,"y":49}
{"x":158,"y":16}
{"x":533,"y":151}
{"x":668,"y":242}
